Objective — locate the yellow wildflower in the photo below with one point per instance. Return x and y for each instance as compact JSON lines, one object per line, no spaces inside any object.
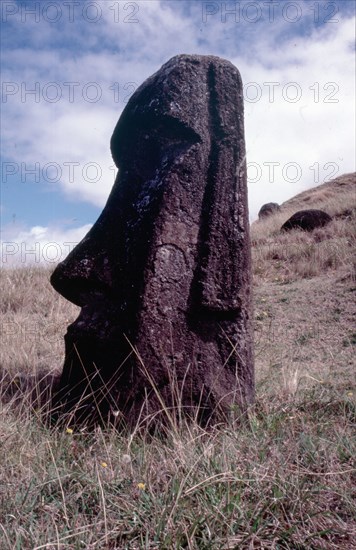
{"x":69,"y":430}
{"x":104,"y":464}
{"x":141,"y":486}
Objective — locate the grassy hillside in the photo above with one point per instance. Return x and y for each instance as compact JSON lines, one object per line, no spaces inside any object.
{"x":284,"y":481}
{"x":304,"y":288}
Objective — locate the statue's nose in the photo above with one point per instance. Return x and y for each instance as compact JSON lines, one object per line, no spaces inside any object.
{"x":86,"y":272}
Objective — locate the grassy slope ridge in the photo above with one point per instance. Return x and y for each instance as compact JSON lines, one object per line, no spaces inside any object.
{"x":329,"y":196}
{"x":285,"y":481}
{"x":304,"y":287}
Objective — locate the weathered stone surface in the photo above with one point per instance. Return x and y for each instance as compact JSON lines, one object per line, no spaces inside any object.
{"x":307,"y":220}
{"x":268,"y":209}
{"x":163,"y":277}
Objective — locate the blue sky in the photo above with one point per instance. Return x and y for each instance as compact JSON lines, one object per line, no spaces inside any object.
{"x":69,"y":67}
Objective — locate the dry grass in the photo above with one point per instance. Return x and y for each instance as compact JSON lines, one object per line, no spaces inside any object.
{"x":33,"y":321}
{"x":287,"y":257}
{"x":335,"y":196}
{"x":284,"y":481}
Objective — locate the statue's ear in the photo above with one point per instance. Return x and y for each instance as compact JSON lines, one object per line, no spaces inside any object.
{"x":224,"y":260}
{"x":224,"y":263}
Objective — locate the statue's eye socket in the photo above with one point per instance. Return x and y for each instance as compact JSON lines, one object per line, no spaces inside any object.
{"x":151,"y":136}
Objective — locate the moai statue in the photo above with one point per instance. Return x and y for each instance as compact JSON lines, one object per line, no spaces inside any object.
{"x":163,"y":277}
{"x":268,"y":209}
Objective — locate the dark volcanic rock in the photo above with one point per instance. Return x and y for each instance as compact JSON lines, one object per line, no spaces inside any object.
{"x":307,"y":220}
{"x":163,"y":277}
{"x":268,"y":209}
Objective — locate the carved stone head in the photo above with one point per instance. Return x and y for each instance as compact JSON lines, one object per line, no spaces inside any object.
{"x":163,"y":277}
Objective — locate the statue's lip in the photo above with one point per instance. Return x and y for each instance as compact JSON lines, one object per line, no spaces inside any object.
{"x":98,"y":318}
{"x":80,"y":330}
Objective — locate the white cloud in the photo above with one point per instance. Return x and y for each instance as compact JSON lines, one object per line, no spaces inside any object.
{"x":316,"y":132}
{"x":38,"y":245}
{"x":311,"y":132}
